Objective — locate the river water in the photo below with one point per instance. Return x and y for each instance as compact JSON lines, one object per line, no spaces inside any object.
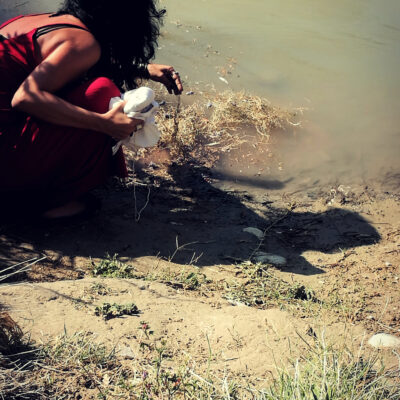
{"x":338,"y":60}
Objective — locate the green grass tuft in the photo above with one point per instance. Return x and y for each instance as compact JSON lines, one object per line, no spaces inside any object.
{"x":111,"y":267}
{"x":109,"y":311}
{"x":260,"y":288}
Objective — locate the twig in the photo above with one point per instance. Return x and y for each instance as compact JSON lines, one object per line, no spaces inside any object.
{"x":194,"y":259}
{"x":178,"y":248}
{"x":200,"y":378}
{"x":305,"y":341}
{"x":22,"y":269}
{"x":53,"y":369}
{"x":268,"y":228}
{"x":16,"y":265}
{"x":139,"y":213}
{"x":24,"y":352}
{"x":176,"y":123}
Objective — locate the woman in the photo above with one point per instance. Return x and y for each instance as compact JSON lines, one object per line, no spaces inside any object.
{"x":57,"y":75}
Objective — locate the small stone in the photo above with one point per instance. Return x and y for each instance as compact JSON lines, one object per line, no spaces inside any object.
{"x":161,"y":103}
{"x":236,"y":303}
{"x":126,"y":352}
{"x":268,"y":258}
{"x":388,"y":264}
{"x":190,"y":93}
{"x":384,"y":340}
{"x":254,"y":231}
{"x":106,"y":380}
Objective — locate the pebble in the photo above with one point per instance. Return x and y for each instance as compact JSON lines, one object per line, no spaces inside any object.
{"x":223,"y":80}
{"x":384,"y":340}
{"x":126,"y":352}
{"x":254,"y":231}
{"x":236,"y":303}
{"x":269,"y":258}
{"x":189,"y":93}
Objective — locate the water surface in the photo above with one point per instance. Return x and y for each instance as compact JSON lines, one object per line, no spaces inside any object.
{"x":338,"y":59}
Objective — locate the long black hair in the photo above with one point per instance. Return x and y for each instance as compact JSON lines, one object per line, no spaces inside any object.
{"x":127,"y":31}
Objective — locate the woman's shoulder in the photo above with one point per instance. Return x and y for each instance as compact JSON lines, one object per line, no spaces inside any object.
{"x":66,"y":30}
{"x":51,"y":19}
{"x":24,"y":24}
{"x":78,"y":42}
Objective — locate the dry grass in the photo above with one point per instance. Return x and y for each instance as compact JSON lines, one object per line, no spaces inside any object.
{"x":80,"y":366}
{"x":219,"y":123}
{"x":15,"y":379}
{"x":77,"y":366}
{"x":10,"y":334}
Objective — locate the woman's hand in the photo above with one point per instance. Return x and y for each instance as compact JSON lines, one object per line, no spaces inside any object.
{"x":118,"y":125}
{"x":166,"y":75}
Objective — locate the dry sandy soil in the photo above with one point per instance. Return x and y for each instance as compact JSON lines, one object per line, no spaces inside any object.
{"x":341,"y":242}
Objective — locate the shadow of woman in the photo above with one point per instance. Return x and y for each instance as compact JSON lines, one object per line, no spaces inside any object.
{"x":189,"y":221}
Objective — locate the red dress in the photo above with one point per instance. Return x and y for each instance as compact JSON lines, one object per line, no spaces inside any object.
{"x":43,"y":165}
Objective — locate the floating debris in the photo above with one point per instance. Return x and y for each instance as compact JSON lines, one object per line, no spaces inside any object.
{"x":221,"y":78}
{"x":254,"y":231}
{"x":224,"y":122}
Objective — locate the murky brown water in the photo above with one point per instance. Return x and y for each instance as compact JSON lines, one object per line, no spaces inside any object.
{"x":340,"y":60}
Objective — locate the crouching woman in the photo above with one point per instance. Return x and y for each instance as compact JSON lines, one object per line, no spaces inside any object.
{"x":57,"y":75}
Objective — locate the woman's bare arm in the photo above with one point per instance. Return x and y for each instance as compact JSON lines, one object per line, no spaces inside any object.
{"x":67,"y":56}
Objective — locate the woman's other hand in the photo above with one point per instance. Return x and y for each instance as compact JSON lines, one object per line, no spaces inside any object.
{"x":118,"y":125}
{"x":166,"y":75}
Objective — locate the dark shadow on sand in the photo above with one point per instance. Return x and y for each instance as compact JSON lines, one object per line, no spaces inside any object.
{"x":208,"y":222}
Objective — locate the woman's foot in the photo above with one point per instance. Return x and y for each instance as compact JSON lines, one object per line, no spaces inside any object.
{"x":84,"y":207}
{"x":70,"y":209}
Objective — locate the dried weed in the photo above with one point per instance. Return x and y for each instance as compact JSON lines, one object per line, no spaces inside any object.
{"x":218,"y":124}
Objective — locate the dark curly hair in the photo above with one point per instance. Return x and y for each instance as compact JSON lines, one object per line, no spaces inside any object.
{"x":127,"y":31}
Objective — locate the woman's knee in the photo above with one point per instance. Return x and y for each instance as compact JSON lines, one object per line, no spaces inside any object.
{"x":94,"y":95}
